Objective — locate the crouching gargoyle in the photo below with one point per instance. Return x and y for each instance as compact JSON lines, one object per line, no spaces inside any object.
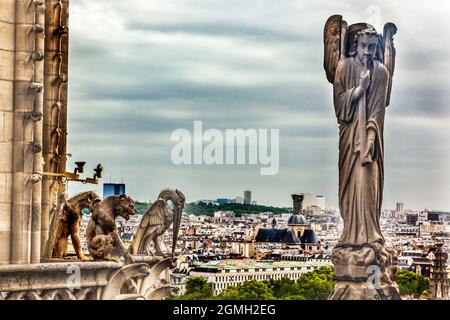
{"x":157,"y":220}
{"x":66,"y":222}
{"x":101,"y":232}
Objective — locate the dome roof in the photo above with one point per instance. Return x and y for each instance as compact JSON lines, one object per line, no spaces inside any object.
{"x":297,"y":219}
{"x":309,"y":236}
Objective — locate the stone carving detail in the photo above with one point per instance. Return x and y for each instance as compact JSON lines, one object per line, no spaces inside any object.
{"x":157,"y":220}
{"x":66,"y":222}
{"x":101,"y":232}
{"x":439,"y":276}
{"x":139,"y":281}
{"x":360,"y":63}
{"x":98,"y":281}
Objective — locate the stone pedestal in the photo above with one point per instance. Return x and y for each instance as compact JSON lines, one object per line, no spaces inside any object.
{"x":364,"y":272}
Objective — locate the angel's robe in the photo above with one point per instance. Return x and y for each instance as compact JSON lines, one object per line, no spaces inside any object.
{"x":360,"y":187}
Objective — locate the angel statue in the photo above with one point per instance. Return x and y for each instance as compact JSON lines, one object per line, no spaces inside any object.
{"x":157,"y":220}
{"x":359,"y":63}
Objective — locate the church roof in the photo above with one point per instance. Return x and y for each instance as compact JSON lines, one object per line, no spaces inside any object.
{"x":309,"y":236}
{"x":297,"y":219}
{"x":276,"y":235}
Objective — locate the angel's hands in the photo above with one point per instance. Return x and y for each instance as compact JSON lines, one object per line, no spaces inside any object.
{"x":364,"y":81}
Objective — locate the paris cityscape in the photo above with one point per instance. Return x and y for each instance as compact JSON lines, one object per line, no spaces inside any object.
{"x":234,"y":158}
{"x":227,"y":247}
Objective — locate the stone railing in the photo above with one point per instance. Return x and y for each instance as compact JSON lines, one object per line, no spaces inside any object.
{"x":89,"y":280}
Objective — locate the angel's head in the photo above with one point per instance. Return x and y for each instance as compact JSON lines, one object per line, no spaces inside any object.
{"x":365,"y":46}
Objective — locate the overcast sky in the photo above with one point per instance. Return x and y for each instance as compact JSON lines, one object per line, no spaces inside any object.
{"x":140,"y":69}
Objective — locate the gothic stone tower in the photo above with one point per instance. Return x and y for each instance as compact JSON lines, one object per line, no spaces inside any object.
{"x":33,"y":113}
{"x":438,"y":278}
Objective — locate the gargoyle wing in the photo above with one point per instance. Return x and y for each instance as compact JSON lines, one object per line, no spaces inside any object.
{"x":153,"y":218}
{"x":389,"y":54}
{"x":155,"y":215}
{"x":334,"y":40}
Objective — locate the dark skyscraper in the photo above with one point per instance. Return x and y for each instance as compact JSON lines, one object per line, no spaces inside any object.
{"x":113,"y":189}
{"x":247,"y":197}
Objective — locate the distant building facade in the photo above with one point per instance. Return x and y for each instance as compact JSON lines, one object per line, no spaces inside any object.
{"x":312,"y":204}
{"x":231,"y":273}
{"x":298,"y":232}
{"x":221,"y":201}
{"x":411,"y":219}
{"x":400,"y":207}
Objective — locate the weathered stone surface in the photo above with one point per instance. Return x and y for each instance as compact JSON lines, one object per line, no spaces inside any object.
{"x":6,"y":156}
{"x":97,"y":280}
{"x":7,"y":10}
{"x":24,"y":66}
{"x":2,"y":126}
{"x":23,"y":97}
{"x":6,"y":36}
{"x":351,"y":290}
{"x":7,"y":93}
{"x":6,"y":65}
{"x":5,"y":248}
{"x":8,"y":188}
{"x":5,"y":217}
{"x":25,"y":12}
{"x":364,"y":272}
{"x":8,"y":126}
{"x":26,"y":38}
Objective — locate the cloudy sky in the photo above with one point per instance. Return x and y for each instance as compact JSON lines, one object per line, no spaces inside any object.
{"x":140,"y":69}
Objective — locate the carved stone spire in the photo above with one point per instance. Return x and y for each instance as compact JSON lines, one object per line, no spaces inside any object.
{"x":438,"y":277}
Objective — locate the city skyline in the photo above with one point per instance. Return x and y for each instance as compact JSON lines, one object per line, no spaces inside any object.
{"x":157,"y":70}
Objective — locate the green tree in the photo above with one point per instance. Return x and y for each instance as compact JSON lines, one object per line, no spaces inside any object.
{"x":197,"y":288}
{"x":284,"y":288}
{"x":411,"y":283}
{"x":317,"y":284}
{"x":141,"y":207}
{"x":202,"y":208}
{"x":248,"y":290}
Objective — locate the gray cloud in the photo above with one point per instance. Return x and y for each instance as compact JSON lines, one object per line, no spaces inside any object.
{"x":140,"y":69}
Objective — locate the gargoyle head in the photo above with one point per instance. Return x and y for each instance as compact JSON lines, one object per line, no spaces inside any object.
{"x":84,"y":200}
{"x":125,"y":207}
{"x":179,"y":199}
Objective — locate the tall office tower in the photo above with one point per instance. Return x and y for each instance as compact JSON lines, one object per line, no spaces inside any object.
{"x":321,"y":202}
{"x":400,"y":207}
{"x":309,"y":200}
{"x":113,"y":189}
{"x":247,"y":197}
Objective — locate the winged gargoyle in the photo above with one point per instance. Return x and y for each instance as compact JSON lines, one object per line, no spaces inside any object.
{"x":157,"y":220}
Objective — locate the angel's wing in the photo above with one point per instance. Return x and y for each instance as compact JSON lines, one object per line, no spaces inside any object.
{"x":389,"y":54}
{"x":334,"y":42}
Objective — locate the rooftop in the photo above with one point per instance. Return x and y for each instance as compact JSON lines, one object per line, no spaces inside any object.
{"x":254,"y":264}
